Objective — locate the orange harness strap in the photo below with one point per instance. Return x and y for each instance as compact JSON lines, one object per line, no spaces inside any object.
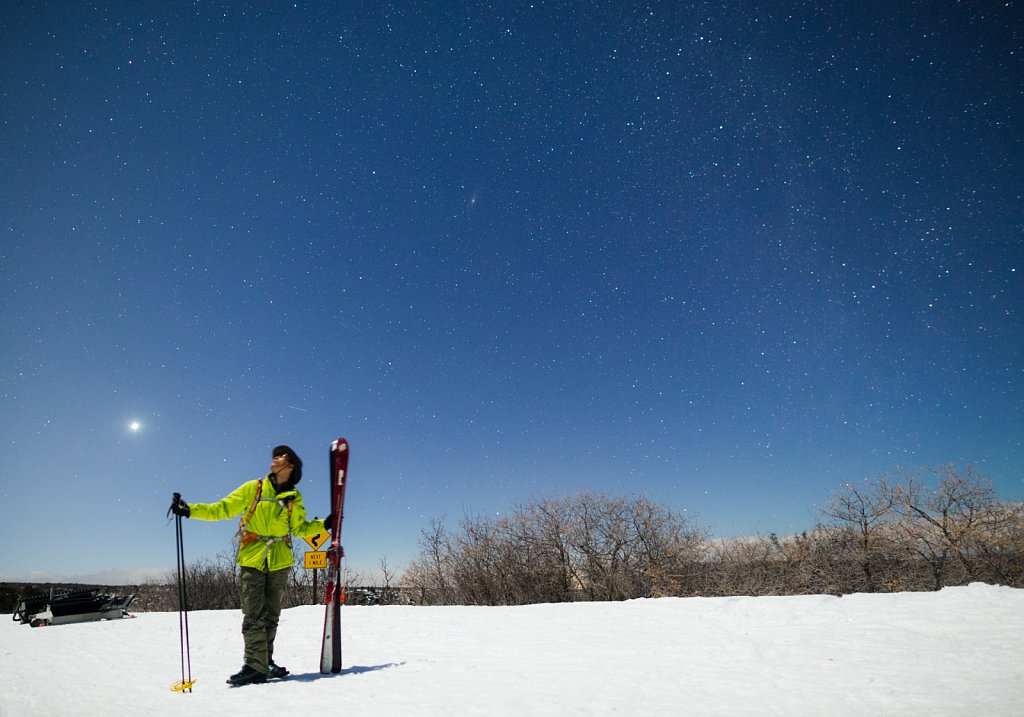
{"x":250,"y":537}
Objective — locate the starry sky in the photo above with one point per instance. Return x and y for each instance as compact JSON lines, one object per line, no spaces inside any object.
{"x":727,"y":255}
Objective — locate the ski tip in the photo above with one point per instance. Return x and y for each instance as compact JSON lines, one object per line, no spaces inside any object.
{"x":339,"y":444}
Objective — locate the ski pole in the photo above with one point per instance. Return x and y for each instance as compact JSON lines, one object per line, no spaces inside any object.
{"x":186,"y":682}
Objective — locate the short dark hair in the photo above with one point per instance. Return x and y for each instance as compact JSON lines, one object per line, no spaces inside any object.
{"x":293,"y":458}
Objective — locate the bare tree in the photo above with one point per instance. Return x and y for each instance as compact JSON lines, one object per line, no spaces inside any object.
{"x":1002,"y":555}
{"x":868,"y":509}
{"x":429,"y":576}
{"x":955,"y":520}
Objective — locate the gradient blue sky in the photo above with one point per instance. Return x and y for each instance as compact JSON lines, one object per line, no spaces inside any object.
{"x":730,"y":256}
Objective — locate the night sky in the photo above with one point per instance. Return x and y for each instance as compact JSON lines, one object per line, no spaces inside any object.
{"x":730,"y":256}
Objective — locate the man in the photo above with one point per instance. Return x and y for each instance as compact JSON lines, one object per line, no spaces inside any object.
{"x":271,"y":512}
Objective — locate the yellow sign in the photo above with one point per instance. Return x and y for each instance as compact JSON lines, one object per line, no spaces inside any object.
{"x":317,"y":559}
{"x":316,"y":541}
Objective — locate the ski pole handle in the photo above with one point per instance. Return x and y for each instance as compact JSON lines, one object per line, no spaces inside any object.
{"x":178,"y":506}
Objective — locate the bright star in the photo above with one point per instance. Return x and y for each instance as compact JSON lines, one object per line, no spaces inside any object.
{"x":134,"y":426}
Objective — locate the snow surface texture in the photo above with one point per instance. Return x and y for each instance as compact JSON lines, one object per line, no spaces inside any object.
{"x":955,"y":652}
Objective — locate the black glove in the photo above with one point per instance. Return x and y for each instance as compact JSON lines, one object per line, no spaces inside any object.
{"x":329,"y":522}
{"x":179,"y":507}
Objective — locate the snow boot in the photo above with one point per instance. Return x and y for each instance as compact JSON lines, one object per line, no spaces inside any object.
{"x":276,"y":672}
{"x":247,"y":676}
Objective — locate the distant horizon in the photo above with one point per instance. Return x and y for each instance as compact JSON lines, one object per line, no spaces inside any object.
{"x":139,"y":576}
{"x":146,"y":574}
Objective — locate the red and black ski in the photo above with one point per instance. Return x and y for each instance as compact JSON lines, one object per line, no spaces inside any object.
{"x":330,"y":655}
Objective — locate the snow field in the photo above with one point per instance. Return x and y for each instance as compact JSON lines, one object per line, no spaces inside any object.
{"x":959,"y":651}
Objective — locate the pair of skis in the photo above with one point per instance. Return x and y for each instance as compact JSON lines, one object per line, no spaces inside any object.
{"x":330,"y":654}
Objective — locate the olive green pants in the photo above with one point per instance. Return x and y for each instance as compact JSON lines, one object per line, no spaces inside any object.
{"x":262,"y":597}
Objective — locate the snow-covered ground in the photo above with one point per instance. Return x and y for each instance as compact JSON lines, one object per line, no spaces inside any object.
{"x":955,"y":652}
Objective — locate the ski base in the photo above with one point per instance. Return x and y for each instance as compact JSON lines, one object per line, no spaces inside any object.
{"x":330,"y":651}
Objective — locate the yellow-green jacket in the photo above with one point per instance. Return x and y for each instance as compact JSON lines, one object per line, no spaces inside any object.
{"x":270,"y":520}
